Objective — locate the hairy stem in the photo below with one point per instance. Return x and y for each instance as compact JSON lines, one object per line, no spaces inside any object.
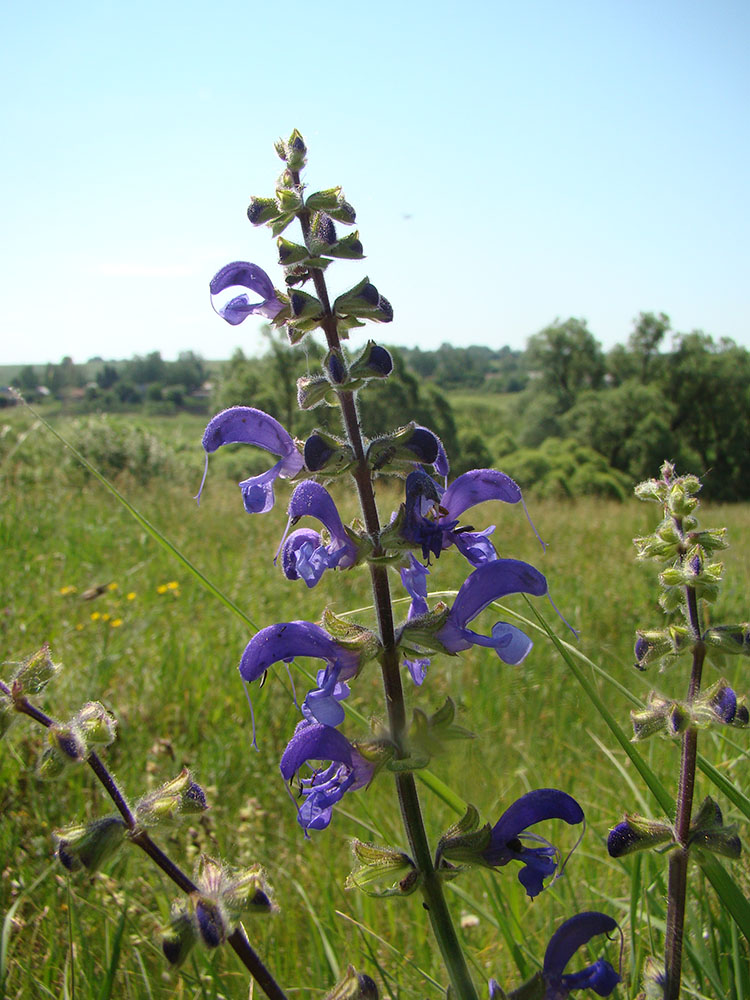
{"x":237,"y":940}
{"x":411,"y":811}
{"x":678,"y":862}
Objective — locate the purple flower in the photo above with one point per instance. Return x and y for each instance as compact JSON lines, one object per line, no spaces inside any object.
{"x":432,"y":514}
{"x":509,"y":833}
{"x":303,"y":554}
{"x":235,"y":308}
{"x":564,"y":943}
{"x":491,"y":582}
{"x":287,"y":640}
{"x":348,"y":771}
{"x":414,"y":578}
{"x":245,"y":425}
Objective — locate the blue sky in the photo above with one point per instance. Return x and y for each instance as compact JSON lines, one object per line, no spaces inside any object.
{"x":510,"y":164}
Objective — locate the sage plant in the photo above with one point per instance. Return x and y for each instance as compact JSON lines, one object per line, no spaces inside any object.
{"x":327,"y":758}
{"x":689,"y":580}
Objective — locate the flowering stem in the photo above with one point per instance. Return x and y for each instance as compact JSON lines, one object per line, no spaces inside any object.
{"x":238,"y":940}
{"x":678,"y":862}
{"x":411,"y":811}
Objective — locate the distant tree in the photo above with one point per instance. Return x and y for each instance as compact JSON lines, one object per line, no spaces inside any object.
{"x":27,"y":379}
{"x":188,"y":371}
{"x":645,"y":340}
{"x":567,"y":358}
{"x":107,"y":377}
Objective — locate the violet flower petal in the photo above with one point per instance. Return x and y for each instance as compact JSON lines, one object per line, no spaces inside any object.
{"x":235,"y":308}
{"x":287,"y":640}
{"x":564,"y":943}
{"x":478,"y":486}
{"x":491,"y":582}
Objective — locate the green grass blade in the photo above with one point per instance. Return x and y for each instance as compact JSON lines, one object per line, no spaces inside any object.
{"x":657,"y":789}
{"x":728,"y":892}
{"x":151,"y":529}
{"x":105,"y":992}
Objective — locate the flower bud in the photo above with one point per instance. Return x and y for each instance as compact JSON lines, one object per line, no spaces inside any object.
{"x":178,"y":939}
{"x":211,"y":922}
{"x":364,"y":301}
{"x":636,"y":833}
{"x":325,"y":453}
{"x":262,"y":210}
{"x":733,"y":639}
{"x":180,"y":796}
{"x":291,"y":253}
{"x":34,"y":673}
{"x":374,"y":362}
{"x":96,"y":724}
{"x":348,"y":248}
{"x":354,"y":986}
{"x":466,"y":840}
{"x":312,"y":390}
{"x":708,"y":831}
{"x":304,"y":306}
{"x":408,"y":444}
{"x":323,"y":201}
{"x":322,"y":233}
{"x":375,"y":865}
{"x":335,"y":367}
{"x":69,"y":741}
{"x":90,"y":845}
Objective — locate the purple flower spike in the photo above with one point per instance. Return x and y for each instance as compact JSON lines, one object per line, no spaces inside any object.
{"x":506,"y":841}
{"x":347,"y":772}
{"x":236,"y":308}
{"x":245,"y":425}
{"x":303,"y":553}
{"x":288,"y":640}
{"x":564,"y":943}
{"x":491,"y":582}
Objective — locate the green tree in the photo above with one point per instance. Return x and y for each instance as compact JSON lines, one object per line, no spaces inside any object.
{"x":566,"y":358}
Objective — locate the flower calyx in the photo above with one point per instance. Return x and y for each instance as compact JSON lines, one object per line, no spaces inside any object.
{"x":637,"y":833}
{"x":181,"y":796}
{"x":362,"y":301}
{"x":351,"y":636}
{"x":464,"y":842}
{"x":377,"y":864}
{"x":327,"y":454}
{"x":32,"y":675}
{"x":403,"y":448}
{"x":354,"y":986}
{"x":662,"y":646}
{"x":709,"y":833}
{"x":428,"y":734}
{"x":89,"y":845}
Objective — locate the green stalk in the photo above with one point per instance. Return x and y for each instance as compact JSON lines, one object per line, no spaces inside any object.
{"x":411,"y":811}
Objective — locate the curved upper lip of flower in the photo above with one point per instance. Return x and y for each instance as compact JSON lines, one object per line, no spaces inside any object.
{"x":242,"y":274}
{"x":287,"y":640}
{"x":565,"y":942}
{"x":246,"y":425}
{"x":491,"y":582}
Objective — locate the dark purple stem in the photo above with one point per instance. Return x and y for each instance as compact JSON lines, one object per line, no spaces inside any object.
{"x":411,"y":812}
{"x":678,"y":861}
{"x":237,"y":939}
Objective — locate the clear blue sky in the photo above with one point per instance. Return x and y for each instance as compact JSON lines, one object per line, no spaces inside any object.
{"x":510,"y":163}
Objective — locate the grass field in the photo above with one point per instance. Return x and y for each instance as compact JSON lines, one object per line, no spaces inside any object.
{"x":162,"y":654}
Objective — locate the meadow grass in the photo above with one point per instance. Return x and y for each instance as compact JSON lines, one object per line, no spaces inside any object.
{"x":162,"y":654}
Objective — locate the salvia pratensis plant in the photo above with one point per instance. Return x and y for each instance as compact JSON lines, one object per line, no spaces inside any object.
{"x":328,"y":757}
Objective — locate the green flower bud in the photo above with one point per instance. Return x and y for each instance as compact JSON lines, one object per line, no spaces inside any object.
{"x":33,"y":675}
{"x":326,"y":453}
{"x":733,"y":639}
{"x":291,"y":253}
{"x":262,"y":210}
{"x":377,"y":864}
{"x":90,"y":845}
{"x":708,"y":832}
{"x":364,"y":301}
{"x":246,"y":889}
{"x":312,"y":390}
{"x":348,"y":248}
{"x":178,"y":797}
{"x":304,"y":306}
{"x":96,"y":724}
{"x":465,"y":841}
{"x":636,"y":833}
{"x":354,"y":986}
{"x":323,"y":201}
{"x":69,"y":741}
